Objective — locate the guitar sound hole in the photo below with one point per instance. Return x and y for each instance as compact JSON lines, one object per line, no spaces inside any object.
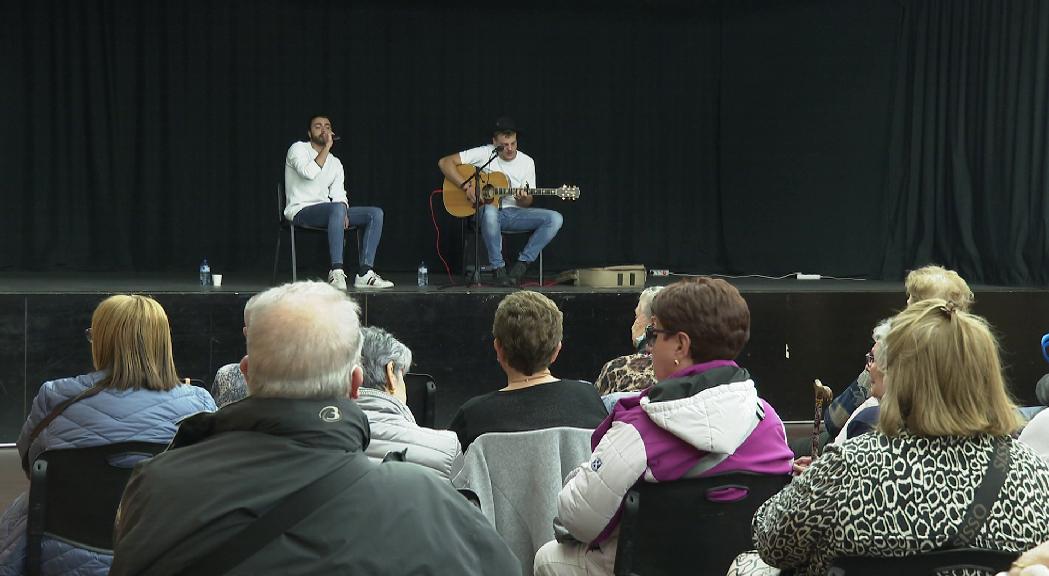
{"x":486,"y":192}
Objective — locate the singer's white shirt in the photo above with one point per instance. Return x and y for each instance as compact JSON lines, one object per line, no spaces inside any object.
{"x":307,"y":184}
{"x":520,"y":171}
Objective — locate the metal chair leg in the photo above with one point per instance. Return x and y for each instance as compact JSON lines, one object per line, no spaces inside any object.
{"x":294,"y":260}
{"x":276,"y":260}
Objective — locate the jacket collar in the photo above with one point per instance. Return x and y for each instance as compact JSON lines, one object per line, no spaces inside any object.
{"x":371,"y":400}
{"x":332,"y":424}
{"x":697,"y":378}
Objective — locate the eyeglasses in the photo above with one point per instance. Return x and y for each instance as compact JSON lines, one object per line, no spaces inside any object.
{"x":87,"y":334}
{"x":651,"y":331}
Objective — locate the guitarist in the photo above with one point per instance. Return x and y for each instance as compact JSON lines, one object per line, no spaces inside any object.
{"x":514,"y":213}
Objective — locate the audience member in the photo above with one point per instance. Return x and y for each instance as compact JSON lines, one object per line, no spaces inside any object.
{"x":1034,"y":562}
{"x":922,"y":284}
{"x":632,"y":372}
{"x":527,"y":330}
{"x":865,"y":417}
{"x":297,"y":432}
{"x":703,"y":418}
{"x":906,"y":488}
{"x":134,"y":394}
{"x":385,"y":360}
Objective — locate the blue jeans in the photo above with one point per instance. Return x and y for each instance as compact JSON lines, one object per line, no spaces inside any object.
{"x":331,"y":214}
{"x":543,"y":224}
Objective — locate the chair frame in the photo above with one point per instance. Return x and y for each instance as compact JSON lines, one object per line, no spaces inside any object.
{"x":931,"y":563}
{"x":421,"y":388}
{"x":285,"y":224}
{"x":632,"y":559}
{"x":467,"y":233}
{"x":62,"y":522}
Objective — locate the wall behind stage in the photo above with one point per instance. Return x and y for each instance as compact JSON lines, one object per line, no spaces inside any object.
{"x":751,"y":136}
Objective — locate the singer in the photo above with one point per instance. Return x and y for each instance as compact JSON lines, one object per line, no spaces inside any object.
{"x":513,"y":213}
{"x":314,"y":180}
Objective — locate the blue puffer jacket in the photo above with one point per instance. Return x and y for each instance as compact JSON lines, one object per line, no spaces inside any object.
{"x":106,"y":418}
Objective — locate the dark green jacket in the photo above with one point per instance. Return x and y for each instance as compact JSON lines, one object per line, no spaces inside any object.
{"x":225,"y":469}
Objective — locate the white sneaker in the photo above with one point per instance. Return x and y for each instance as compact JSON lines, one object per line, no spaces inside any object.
{"x":337,"y":278}
{"x":371,"y":280}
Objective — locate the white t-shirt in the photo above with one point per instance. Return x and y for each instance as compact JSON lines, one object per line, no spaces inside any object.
{"x":520,"y":171}
{"x":307,"y":184}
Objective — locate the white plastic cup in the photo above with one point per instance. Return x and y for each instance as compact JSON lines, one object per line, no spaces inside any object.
{"x":216,"y":280}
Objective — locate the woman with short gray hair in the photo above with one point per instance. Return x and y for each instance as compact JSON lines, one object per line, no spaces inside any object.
{"x":385,"y":360}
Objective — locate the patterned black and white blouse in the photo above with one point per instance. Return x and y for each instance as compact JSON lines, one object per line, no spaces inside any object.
{"x":876,"y":495}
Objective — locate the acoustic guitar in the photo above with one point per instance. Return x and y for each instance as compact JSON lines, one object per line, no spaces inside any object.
{"x":493,"y":186}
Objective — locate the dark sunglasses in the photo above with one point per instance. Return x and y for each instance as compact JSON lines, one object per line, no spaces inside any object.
{"x":651,"y":331}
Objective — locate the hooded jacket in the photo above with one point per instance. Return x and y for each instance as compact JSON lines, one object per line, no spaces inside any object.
{"x":226,"y":469}
{"x":703,"y":421}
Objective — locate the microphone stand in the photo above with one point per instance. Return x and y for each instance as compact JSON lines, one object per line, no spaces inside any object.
{"x":475,"y":276}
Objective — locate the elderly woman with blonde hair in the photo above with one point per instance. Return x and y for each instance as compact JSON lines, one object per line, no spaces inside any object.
{"x":134,"y":394}
{"x":944,"y":431}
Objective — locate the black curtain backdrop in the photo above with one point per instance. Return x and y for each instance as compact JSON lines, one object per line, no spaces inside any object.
{"x":755,"y":136}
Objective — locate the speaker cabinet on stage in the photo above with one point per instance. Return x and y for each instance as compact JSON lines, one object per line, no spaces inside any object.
{"x":626,"y":276}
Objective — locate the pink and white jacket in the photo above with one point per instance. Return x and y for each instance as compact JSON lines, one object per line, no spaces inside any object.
{"x":704,"y":420}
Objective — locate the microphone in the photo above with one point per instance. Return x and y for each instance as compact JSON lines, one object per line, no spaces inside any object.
{"x":499,"y":148}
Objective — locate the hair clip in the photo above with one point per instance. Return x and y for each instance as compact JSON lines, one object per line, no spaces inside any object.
{"x":949,"y":309}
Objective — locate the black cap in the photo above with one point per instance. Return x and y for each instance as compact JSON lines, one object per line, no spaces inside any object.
{"x":505,"y":124}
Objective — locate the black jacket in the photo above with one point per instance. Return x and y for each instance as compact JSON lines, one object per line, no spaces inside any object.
{"x":225,"y":469}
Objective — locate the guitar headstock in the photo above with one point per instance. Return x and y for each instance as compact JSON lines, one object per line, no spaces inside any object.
{"x":566,"y":192}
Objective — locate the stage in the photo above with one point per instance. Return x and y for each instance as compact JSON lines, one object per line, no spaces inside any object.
{"x":800,"y":330}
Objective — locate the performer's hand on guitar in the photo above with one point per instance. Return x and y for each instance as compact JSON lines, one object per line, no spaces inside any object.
{"x":468,"y":187}
{"x":524,"y":199}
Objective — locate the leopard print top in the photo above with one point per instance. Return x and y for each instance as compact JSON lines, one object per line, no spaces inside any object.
{"x":876,"y":495}
{"x":626,"y":374}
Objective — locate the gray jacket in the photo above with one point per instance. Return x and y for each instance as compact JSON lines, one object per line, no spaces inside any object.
{"x":517,"y":477}
{"x":394,"y":429}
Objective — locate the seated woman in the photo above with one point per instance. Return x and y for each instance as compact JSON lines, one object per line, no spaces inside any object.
{"x":632,"y":373}
{"x":703,"y":418}
{"x":922,"y":284}
{"x":527,"y":330}
{"x":134,"y":394}
{"x":382,"y":398}
{"x":865,"y":417}
{"x":906,"y":488}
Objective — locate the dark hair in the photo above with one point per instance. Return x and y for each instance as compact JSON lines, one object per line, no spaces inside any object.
{"x":504,"y":126}
{"x":711,"y":311}
{"x":309,"y":123}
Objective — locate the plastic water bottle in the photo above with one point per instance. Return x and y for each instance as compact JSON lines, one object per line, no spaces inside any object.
{"x":205,"y":273}
{"x":423,"y":274}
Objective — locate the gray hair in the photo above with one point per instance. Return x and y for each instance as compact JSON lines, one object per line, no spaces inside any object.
{"x":644,"y":301}
{"x":380,"y":348}
{"x":878,"y":335}
{"x":304,"y":341}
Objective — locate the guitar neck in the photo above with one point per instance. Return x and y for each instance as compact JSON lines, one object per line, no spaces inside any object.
{"x":529,"y":191}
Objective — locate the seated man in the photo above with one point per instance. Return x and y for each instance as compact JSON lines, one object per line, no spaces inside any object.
{"x":298,"y":425}
{"x":513,"y":213}
{"x":383,"y":398}
{"x":314,"y":181}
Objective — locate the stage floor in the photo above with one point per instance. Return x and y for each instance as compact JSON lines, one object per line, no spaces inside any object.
{"x":169,"y":283}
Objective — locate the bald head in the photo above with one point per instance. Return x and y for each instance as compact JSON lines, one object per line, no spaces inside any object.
{"x":304,"y":341}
